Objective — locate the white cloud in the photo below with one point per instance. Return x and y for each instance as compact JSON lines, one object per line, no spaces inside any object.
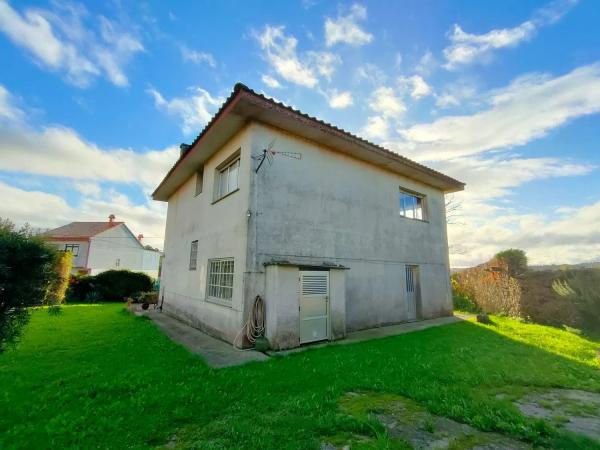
{"x":416,"y":85}
{"x":194,"y":110}
{"x":371,"y":73}
{"x":346,"y":30}
{"x":197,"y":57}
{"x":61,"y":41}
{"x":44,"y":210}
{"x":484,"y":227}
{"x":63,"y":153}
{"x":280,"y":52}
{"x":454,"y":94}
{"x":467,"y":48}
{"x":270,"y":81}
{"x":340,"y":99}
{"x":525,"y":110}
{"x":324,"y":63}
{"x":427,"y":63}
{"x":385,"y":102}
{"x":377,"y":127}
{"x":88,"y":188}
{"x":8,"y":110}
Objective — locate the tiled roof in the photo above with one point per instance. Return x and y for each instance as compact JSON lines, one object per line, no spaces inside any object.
{"x":81,"y":229}
{"x":242,"y":88}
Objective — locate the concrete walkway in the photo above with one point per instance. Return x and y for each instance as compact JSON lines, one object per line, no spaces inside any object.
{"x":381,"y":332}
{"x":216,"y":353}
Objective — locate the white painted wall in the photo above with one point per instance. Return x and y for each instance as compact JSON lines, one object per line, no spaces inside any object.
{"x":118,"y":249}
{"x":328,"y":207}
{"x":79,"y":261}
{"x":220,"y":228}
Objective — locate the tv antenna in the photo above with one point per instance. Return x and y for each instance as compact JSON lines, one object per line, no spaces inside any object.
{"x":268,"y":154}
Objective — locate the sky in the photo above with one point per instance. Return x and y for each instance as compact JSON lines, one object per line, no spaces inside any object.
{"x":96,"y":97}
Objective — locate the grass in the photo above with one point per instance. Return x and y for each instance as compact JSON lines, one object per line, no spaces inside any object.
{"x":98,"y":377}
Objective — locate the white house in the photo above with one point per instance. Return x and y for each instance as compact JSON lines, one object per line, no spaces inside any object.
{"x":333,"y":232}
{"x":100,"y":246}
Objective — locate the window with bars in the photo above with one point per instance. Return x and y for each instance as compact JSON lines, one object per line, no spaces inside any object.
{"x":412,"y":205}
{"x":220,"y":279}
{"x":73,"y":248}
{"x":227,"y":179}
{"x":194,"y":255}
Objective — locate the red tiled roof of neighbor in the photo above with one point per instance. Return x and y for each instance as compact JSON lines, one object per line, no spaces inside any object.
{"x":80,"y":229}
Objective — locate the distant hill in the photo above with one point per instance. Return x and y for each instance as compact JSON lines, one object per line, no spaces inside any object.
{"x":588,"y":265}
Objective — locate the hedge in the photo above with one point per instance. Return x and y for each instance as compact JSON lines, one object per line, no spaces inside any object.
{"x":110,"y":286}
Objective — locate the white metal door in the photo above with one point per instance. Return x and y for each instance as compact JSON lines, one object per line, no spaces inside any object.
{"x":412,"y":291}
{"x":314,"y":307}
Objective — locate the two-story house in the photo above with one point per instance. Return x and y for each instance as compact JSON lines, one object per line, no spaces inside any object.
{"x":100,"y":246}
{"x":333,"y":232}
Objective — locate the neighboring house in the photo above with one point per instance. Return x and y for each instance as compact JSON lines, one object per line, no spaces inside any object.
{"x":100,"y":246}
{"x":334,"y":233}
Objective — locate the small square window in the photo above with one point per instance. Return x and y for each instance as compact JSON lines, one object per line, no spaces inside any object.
{"x":194,"y":255}
{"x":412,"y":205}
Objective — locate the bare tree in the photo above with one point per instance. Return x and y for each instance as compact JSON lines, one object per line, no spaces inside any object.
{"x":453,"y":210}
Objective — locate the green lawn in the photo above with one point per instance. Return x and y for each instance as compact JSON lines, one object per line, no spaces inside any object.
{"x":98,"y":377}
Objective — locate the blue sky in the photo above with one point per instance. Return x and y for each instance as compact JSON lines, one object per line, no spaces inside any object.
{"x":95,"y":98}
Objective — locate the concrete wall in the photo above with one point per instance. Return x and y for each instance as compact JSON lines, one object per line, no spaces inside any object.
{"x":117,"y":249}
{"x":220,"y":228}
{"x":328,"y":207}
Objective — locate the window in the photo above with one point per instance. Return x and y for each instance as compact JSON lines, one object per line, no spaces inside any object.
{"x":227,"y":179}
{"x":73,"y":248}
{"x":220,"y":279}
{"x":412,"y":205}
{"x":199,"y":181}
{"x":118,"y":262}
{"x":194,"y":255}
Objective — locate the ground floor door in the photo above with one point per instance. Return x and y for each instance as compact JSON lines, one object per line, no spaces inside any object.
{"x":412,"y":291}
{"x":314,"y":306}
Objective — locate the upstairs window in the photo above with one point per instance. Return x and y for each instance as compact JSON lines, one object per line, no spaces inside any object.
{"x":194,"y":255}
{"x":412,"y":205}
{"x":227,"y":178}
{"x":73,"y":248}
{"x":199,"y":181}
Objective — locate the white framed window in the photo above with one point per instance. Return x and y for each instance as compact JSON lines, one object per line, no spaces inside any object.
{"x":194,"y":255}
{"x":412,"y":205}
{"x":220,"y":279}
{"x":73,"y":248}
{"x":199,"y":181}
{"x":227,"y":179}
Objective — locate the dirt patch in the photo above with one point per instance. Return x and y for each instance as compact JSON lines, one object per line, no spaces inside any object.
{"x":407,"y":425}
{"x":573,"y":410}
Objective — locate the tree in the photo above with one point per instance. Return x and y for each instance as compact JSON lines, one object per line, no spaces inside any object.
{"x":26,"y":273}
{"x":515,"y":259}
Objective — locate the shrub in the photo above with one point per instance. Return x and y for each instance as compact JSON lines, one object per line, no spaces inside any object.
{"x":26,"y":273}
{"x":58,"y":287}
{"x":515,"y":259}
{"x":112,"y":286}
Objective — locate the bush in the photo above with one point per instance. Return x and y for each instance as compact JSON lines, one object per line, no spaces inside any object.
{"x":26,"y":273}
{"x":111,"y":286}
{"x":58,"y":288}
{"x":515,"y":259}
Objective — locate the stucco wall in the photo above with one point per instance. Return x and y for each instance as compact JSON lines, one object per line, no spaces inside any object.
{"x":116,"y":248}
{"x":220,"y":228}
{"x":330,"y":207}
{"x":79,"y":261}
